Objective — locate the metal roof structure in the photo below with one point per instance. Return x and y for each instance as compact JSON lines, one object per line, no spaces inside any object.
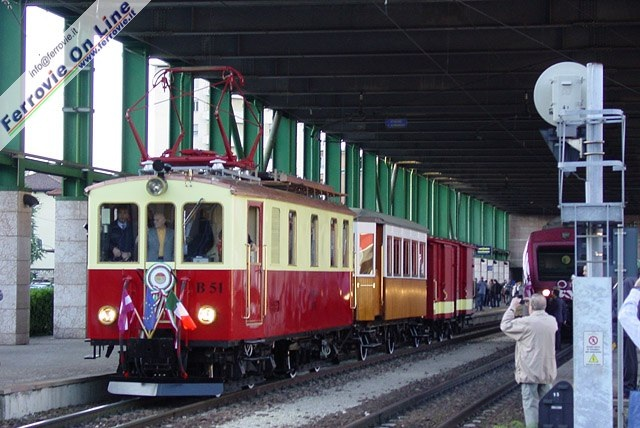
{"x":444,"y":87}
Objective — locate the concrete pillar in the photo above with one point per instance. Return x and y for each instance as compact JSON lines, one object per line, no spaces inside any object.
{"x":15,"y":259}
{"x":70,"y":292}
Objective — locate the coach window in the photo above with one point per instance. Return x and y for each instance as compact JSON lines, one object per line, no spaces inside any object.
{"x":275,"y":235}
{"x":201,"y":224}
{"x":414,"y":259}
{"x":365,"y":253}
{"x":332,"y":246}
{"x":314,"y":240}
{"x":397,"y":256}
{"x":118,"y":233}
{"x":421,"y":259}
{"x":406,"y":271}
{"x":390,"y":252}
{"x":345,"y":243}
{"x":293,"y":220}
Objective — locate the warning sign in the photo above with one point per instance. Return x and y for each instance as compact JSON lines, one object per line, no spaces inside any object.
{"x":593,"y":349}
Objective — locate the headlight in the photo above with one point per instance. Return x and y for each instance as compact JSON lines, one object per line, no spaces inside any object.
{"x":156,"y":186}
{"x":546,"y":292}
{"x":107,"y":315}
{"x":206,"y":315}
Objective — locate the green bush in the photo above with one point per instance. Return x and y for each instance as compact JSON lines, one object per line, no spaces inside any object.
{"x":41,"y":320}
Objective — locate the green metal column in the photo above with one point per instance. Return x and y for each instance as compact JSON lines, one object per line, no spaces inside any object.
{"x":501,"y":229}
{"x":476,"y":222}
{"x":77,"y":129}
{"x":311,"y":147}
{"x":488,"y":225}
{"x":422,"y":201}
{"x":352,"y":176}
{"x":11,"y":68}
{"x":135,"y":71}
{"x":444,"y":221}
{"x":384,"y":187}
{"x":431,"y":203}
{"x":453,"y":213}
{"x":333,"y":163}
{"x":216,"y":142}
{"x":251,"y":129}
{"x":412,"y":195}
{"x":399,"y":202}
{"x":369,"y":182}
{"x":183,"y":84}
{"x":463,"y":218}
{"x":284,"y":150}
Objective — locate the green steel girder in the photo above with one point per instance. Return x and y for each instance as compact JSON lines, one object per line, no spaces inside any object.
{"x":135,"y":80}
{"x":59,"y":168}
{"x":11,"y":68}
{"x":284,"y":149}
{"x":352,"y":175}
{"x":488,"y":225}
{"x":235,"y":134}
{"x":422,"y":201}
{"x":311,"y":144}
{"x":333,"y":163}
{"x":398,"y":192}
{"x":251,"y":129}
{"x":77,"y":129}
{"x":369,"y":182}
{"x":384,"y":187}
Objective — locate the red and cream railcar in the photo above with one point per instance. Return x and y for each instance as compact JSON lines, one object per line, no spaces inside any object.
{"x":250,"y":279}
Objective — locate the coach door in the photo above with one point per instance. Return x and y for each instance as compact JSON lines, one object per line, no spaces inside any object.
{"x":256,"y":277}
{"x":367,"y":292}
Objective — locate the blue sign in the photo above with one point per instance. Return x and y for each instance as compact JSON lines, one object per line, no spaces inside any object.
{"x":396,"y":123}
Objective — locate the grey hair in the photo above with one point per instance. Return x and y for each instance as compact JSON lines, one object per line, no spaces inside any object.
{"x":538,"y":302}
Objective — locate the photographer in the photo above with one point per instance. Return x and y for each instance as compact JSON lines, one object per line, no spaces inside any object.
{"x":535,"y":352}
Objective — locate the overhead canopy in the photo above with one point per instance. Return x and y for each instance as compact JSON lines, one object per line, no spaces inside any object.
{"x":442,"y":87}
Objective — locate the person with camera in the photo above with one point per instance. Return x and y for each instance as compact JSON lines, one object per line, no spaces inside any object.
{"x":535,"y":357}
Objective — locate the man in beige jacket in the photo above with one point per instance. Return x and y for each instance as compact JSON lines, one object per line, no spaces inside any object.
{"x":535,"y":352}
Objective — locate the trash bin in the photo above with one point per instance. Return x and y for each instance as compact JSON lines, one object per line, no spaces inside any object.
{"x":556,"y":407}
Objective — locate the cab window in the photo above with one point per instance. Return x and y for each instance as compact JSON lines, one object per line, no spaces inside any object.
{"x":202,"y":232}
{"x":161,"y":233}
{"x":118,"y":233}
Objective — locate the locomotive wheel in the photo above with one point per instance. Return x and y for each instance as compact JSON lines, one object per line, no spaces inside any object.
{"x":450,"y":333}
{"x":362,"y":349}
{"x":390,"y":342}
{"x":440,"y":335}
{"x":416,"y":341}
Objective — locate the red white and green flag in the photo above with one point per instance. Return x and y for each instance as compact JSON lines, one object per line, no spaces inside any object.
{"x":175,"y":308}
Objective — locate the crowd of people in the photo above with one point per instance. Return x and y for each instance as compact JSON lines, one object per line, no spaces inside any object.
{"x":493,"y":293}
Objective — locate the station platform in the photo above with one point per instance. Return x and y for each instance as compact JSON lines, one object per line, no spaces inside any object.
{"x":48,"y":373}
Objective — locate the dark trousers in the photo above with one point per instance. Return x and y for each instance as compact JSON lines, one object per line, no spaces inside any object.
{"x":630,"y":372}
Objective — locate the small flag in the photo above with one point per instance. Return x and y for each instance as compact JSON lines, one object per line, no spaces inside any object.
{"x":150,"y":317}
{"x":175,"y":307}
{"x":126,"y":307}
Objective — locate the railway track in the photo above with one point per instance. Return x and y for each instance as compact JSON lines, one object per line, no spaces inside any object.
{"x":396,"y":411}
{"x":142,"y":412}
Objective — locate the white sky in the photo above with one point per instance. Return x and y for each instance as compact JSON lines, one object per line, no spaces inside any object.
{"x":43,"y":131}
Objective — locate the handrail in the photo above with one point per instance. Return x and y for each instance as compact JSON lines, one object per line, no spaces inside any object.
{"x":248,"y":288}
{"x":265,"y":281}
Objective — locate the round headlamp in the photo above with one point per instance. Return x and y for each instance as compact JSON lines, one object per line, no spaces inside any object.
{"x":107,"y":315}
{"x":206,"y":314}
{"x":156,"y":186}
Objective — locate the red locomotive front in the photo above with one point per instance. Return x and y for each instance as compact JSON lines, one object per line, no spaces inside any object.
{"x":209,"y":279}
